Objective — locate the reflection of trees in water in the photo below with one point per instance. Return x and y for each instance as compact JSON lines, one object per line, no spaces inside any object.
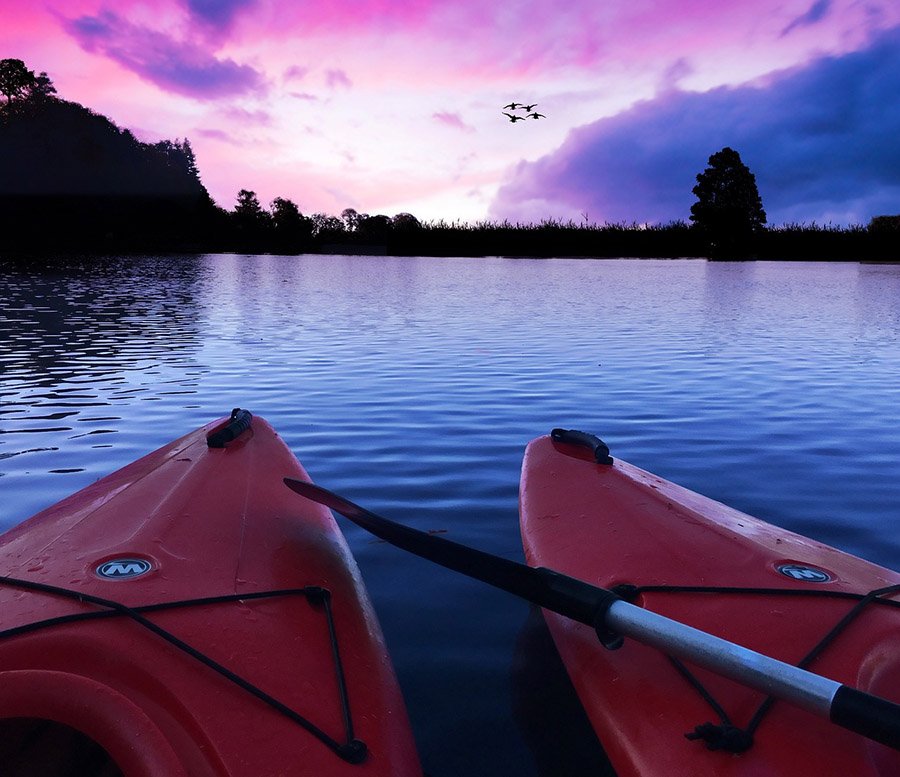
{"x":877,"y":292}
{"x":74,"y":331}
{"x":550,"y":717}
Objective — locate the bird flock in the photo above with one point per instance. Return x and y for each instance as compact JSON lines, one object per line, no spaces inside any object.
{"x":530,"y":113}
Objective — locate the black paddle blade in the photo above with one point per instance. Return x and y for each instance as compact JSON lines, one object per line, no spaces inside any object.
{"x":560,"y":593}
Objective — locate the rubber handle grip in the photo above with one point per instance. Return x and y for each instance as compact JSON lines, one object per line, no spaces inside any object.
{"x":869,"y":715}
{"x":239,"y":422}
{"x":585,"y":440}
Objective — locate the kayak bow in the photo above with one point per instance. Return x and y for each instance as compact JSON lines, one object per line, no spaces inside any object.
{"x":186,"y":616}
{"x":683,"y":557}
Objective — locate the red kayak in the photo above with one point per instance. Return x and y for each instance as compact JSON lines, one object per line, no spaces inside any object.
{"x":694,"y":560}
{"x":189,"y":616}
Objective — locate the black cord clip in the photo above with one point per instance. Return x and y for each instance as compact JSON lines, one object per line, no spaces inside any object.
{"x":723,"y":736}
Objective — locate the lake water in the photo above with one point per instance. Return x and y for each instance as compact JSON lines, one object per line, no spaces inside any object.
{"x":413,"y":385}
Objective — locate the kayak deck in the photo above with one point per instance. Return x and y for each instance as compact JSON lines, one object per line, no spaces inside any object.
{"x":699,"y":562}
{"x":241,"y":639}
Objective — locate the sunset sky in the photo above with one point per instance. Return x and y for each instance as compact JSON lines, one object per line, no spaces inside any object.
{"x":388,"y":106}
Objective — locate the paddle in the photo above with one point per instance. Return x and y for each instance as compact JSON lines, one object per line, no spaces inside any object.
{"x":869,"y":715}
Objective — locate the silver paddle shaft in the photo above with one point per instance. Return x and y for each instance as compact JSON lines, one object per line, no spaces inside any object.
{"x":805,"y":689}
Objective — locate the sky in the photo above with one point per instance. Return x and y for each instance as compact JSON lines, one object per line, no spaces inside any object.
{"x":390,"y":106}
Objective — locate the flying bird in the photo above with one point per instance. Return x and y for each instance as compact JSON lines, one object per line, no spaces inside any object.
{"x":513,"y":106}
{"x":528,"y":108}
{"x":512,"y":118}
{"x":536,"y":116}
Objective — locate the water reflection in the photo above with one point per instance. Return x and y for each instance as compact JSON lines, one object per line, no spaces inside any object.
{"x":80,"y":337}
{"x":88,"y":323}
{"x":877,"y":299}
{"x":547,"y":709}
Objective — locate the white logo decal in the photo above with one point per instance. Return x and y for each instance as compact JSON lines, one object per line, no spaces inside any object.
{"x":124,"y":568}
{"x":803,"y":573}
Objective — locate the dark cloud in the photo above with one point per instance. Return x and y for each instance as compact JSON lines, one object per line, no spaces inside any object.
{"x":173,"y":65}
{"x":217,"y":13}
{"x":817,"y":11}
{"x":821,"y":139}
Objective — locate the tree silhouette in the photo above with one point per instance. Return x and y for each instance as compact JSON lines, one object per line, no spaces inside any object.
{"x":328,"y":228}
{"x":18,"y":83}
{"x":404,"y":223}
{"x":728,"y":210}
{"x":179,"y":156}
{"x":14,"y":79}
{"x":352,"y":219}
{"x":41,"y":87}
{"x":292,"y":229}
{"x":248,"y":209}
{"x":375,"y":229}
{"x":251,"y":222}
{"x":284,"y":211}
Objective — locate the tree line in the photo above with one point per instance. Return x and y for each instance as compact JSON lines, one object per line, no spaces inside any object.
{"x":70,"y":179}
{"x":282,"y":224}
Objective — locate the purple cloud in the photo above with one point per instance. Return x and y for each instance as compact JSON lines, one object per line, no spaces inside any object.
{"x":217,"y":13}
{"x":821,"y":139}
{"x":817,"y":11}
{"x":176,"y":66}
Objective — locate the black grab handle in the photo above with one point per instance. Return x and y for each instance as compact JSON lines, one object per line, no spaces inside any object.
{"x":585,"y":440}
{"x":239,"y":422}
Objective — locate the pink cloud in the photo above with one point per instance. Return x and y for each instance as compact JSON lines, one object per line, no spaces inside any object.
{"x":337,"y":78}
{"x":215,"y":134}
{"x":350,"y":15}
{"x":452,"y":120}
{"x":461,"y":38}
{"x":244,"y":117}
{"x":295,"y":73}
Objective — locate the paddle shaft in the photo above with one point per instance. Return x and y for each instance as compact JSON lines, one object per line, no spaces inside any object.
{"x":803,"y":688}
{"x":871,"y":716}
{"x":863,"y":713}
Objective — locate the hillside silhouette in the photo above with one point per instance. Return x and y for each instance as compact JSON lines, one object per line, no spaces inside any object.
{"x":71,"y":178}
